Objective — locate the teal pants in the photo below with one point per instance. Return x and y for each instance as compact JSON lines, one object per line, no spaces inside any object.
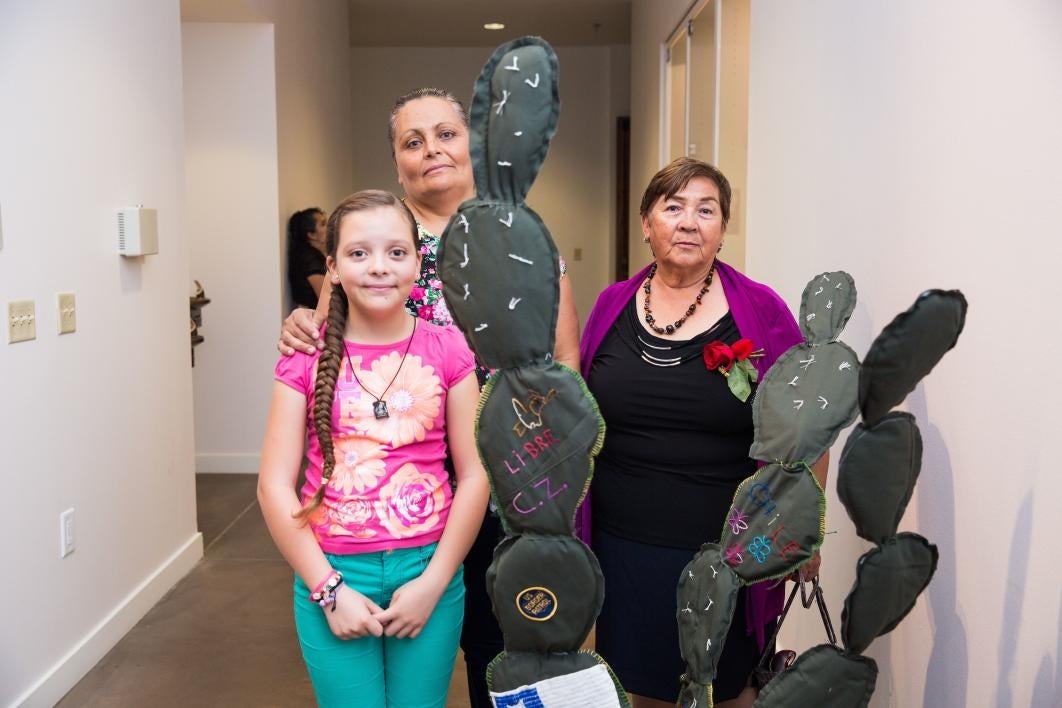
{"x":382,"y":672}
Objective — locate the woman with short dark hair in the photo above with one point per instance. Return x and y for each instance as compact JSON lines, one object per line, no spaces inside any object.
{"x":678,"y":438}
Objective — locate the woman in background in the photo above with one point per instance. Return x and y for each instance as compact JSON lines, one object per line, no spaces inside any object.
{"x":307,"y":231}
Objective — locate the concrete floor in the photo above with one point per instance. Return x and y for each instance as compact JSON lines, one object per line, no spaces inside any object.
{"x":224,"y":636}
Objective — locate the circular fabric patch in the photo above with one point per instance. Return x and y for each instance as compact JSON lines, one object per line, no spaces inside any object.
{"x":546,"y":592}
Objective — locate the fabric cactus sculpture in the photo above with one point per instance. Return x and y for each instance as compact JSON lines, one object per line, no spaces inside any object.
{"x":538,"y":427}
{"x":775,"y":525}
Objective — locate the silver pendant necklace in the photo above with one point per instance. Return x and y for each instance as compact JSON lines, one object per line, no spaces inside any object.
{"x":379,"y":405}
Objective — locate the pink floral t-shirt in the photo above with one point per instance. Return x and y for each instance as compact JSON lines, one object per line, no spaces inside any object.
{"x":389,"y":488}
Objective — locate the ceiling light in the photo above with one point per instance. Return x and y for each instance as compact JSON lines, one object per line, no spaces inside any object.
{"x":494,"y":26}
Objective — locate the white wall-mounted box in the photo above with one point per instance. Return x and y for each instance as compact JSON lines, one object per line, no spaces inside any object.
{"x":138,"y":231}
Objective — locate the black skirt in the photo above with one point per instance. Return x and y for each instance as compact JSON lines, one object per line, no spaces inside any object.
{"x":637,"y":632}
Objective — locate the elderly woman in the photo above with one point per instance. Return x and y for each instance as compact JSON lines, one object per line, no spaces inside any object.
{"x":677,"y":439}
{"x":429,"y":139}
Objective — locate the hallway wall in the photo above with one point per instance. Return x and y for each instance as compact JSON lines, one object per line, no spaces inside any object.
{"x":311,"y":113}
{"x":230,"y":108}
{"x":99,"y":420}
{"x":916,"y":145}
{"x":574,"y":192}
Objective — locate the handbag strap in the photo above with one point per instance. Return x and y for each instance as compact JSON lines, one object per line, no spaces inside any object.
{"x":805,"y":600}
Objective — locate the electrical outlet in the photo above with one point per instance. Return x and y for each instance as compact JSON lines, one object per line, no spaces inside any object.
{"x":67,"y":538}
{"x":21,"y":321}
{"x":67,"y":312}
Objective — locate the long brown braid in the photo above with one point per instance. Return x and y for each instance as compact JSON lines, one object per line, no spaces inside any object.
{"x":332,"y":355}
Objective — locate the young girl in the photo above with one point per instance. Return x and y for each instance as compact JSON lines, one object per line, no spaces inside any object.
{"x":377,"y":539}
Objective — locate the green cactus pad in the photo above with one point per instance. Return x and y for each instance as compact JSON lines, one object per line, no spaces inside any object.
{"x":513,"y":118}
{"x":707,"y":595}
{"x":877,"y":473}
{"x":501,"y":282}
{"x":804,"y":401}
{"x":889,"y":580}
{"x":537,"y":429}
{"x":546,"y":592}
{"x":524,"y":676}
{"x":695,"y":695}
{"x":775,"y":524}
{"x":823,"y":677}
{"x":826,"y":305}
{"x":908,"y":349}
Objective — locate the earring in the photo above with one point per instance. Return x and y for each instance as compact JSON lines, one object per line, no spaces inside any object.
{"x":719,"y":249}
{"x":335,"y":279}
{"x":645,"y":239}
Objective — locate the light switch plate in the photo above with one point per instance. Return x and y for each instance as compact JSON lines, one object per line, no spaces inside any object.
{"x":21,"y":321}
{"x":67,"y":312}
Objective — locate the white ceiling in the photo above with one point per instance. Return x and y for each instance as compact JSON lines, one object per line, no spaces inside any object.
{"x":459,"y":23}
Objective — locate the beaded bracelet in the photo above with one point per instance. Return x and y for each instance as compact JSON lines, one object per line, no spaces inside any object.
{"x":325,"y":594}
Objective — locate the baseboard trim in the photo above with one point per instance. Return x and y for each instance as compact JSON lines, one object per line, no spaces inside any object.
{"x":227,"y":464}
{"x":62,"y":677}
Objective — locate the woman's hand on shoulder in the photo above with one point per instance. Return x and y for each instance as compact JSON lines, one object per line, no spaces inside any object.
{"x":353,"y":615}
{"x":411,"y":607}
{"x":300,"y":331}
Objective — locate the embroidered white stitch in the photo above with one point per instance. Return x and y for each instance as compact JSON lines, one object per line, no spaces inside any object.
{"x":522,"y":260}
{"x":774,"y":519}
{"x":710,"y":603}
{"x":793,"y":382}
{"x":810,"y":317}
{"x":508,"y":223}
{"x":515,"y":65}
{"x":463,"y":221}
{"x":501,"y":104}
{"x":819,"y":291}
{"x":513,"y":301}
{"x":807,"y":362}
{"x":824,"y":403}
{"x":798,"y":403}
{"x":845,"y":365}
{"x":690,"y":572}
{"x":529,"y":83}
{"x":504,"y":163}
{"x":463,"y":263}
{"x":714,"y":571}
{"x":826,"y":277}
{"x":466,"y":292}
{"x":707,"y":647}
{"x":687,"y":610}
{"x":480,"y":328}
{"x":837,"y":287}
{"x":694,"y":704}
{"x":829,"y":305}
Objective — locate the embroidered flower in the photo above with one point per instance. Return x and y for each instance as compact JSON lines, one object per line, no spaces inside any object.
{"x":733,"y":363}
{"x":410,"y":502}
{"x":413,"y":399}
{"x":359,"y":464}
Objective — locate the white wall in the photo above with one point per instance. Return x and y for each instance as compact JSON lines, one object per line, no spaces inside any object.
{"x":312,"y":167}
{"x":574,"y":191}
{"x":99,"y":420}
{"x":916,"y":145}
{"x":230,"y":113}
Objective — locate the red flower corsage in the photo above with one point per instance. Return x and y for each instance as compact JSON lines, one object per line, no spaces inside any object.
{"x":732,"y":361}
